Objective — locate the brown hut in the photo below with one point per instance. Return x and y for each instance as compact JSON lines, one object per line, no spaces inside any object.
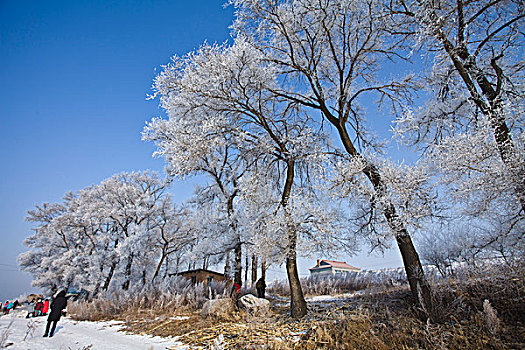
{"x":202,"y":275}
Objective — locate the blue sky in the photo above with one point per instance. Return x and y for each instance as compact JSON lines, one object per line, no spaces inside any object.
{"x":74,"y":76}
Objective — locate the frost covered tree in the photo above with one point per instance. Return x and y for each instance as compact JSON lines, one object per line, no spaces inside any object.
{"x":105,"y":236}
{"x":472,"y":126}
{"x":476,"y":88}
{"x":220,"y":93}
{"x":190,"y":150}
{"x":327,"y":55}
{"x":319,"y":220}
{"x":173,"y":236}
{"x":127,"y":201}
{"x":48,"y":242}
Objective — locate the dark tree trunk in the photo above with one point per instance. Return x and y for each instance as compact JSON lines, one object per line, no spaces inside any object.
{"x":109,"y":276}
{"x":159,"y":265}
{"x":254,"y":269}
{"x":111,"y":270}
{"x":416,"y":277}
{"x":167,"y":266}
{"x":246,"y":269}
{"x":177,"y":263}
{"x":95,"y":291}
{"x":227,"y":268}
{"x":298,"y":306}
{"x":127,"y":273}
{"x":237,"y":278}
{"x":263,"y":270}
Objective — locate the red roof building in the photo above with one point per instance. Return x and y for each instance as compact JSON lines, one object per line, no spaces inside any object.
{"x":333,"y":268}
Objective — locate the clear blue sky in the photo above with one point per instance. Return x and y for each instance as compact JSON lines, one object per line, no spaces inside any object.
{"x":73,"y":82}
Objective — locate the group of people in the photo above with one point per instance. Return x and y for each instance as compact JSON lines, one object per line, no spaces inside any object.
{"x":41,"y":308}
{"x":8,"y":305}
{"x":38,"y":308}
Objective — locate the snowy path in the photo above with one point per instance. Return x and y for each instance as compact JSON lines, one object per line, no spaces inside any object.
{"x":75,"y":335}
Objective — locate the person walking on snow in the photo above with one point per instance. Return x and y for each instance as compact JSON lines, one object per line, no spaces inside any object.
{"x":58,"y":304}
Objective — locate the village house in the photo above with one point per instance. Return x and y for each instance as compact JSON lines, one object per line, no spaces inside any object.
{"x":202,"y":275}
{"x":327,"y":268}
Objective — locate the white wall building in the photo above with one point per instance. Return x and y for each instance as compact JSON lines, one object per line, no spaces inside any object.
{"x":332,"y":268}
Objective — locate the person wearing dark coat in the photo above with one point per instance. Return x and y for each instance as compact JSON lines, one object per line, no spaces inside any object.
{"x":58,"y":304}
{"x":261,"y":287}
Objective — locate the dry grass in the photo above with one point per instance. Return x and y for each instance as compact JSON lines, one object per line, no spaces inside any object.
{"x":149,"y":303}
{"x":474,"y":311}
{"x":372,"y":281}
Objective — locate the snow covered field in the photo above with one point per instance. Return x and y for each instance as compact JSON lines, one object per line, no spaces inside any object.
{"x":75,"y":335}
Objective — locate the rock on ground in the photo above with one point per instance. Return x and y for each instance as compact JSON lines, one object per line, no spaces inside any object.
{"x":252,"y":303}
{"x":218,"y":307}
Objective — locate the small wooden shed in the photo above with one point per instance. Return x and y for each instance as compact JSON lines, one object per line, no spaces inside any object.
{"x":202,"y":275}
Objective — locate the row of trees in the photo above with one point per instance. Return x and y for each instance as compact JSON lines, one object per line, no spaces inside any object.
{"x":277,"y":119}
{"x":113,"y":232}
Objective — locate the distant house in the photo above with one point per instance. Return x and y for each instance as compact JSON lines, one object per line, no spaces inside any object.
{"x":326,"y":268}
{"x":201,"y":275}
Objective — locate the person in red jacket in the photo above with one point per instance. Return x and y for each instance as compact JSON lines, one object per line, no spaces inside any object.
{"x":38,"y":308}
{"x":45,"y":309}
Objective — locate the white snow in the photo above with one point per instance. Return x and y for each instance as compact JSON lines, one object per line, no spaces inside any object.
{"x":76,"y":335}
{"x":328,"y":298}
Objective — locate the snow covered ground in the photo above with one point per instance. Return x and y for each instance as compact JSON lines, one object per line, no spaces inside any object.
{"x":332,"y":298}
{"x":75,"y":335}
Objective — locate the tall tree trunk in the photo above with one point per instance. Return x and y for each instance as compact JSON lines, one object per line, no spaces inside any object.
{"x":159,"y":265}
{"x":237,"y":274}
{"x":237,"y":278}
{"x":144,"y":277}
{"x":111,"y":269}
{"x":298,"y":307}
{"x":254,"y":269}
{"x":177,"y":264}
{"x":166,"y":269}
{"x":127,"y":273}
{"x":263,"y":269}
{"x":416,"y":277}
{"x":227,"y":268}
{"x":96,"y":290}
{"x":109,"y":276}
{"x":246,"y":269}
